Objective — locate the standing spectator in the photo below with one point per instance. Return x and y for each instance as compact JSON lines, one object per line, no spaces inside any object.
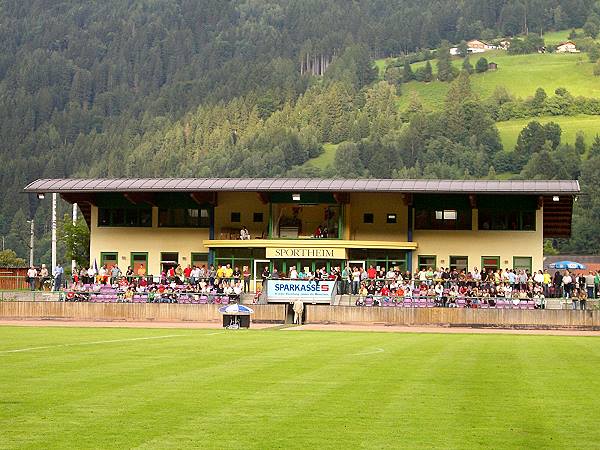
{"x":597,"y":283}
{"x":372,"y":273}
{"x":547,"y":283}
{"x":58,"y":275}
{"x":557,"y":284}
{"x":590,"y":284}
{"x":141,"y":272}
{"x":355,"y":280}
{"x":246,"y":275}
{"x":567,"y":282}
{"x":298,"y":310}
{"x":187,"y":272}
{"x":265,"y":275}
{"x":43,"y":275}
{"x":582,"y":298}
{"x":115,"y":273}
{"x":31,"y":277}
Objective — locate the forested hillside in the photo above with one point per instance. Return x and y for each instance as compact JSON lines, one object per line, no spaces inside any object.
{"x":232,"y":88}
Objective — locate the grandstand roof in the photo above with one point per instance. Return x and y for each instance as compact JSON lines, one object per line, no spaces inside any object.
{"x":80,"y":185}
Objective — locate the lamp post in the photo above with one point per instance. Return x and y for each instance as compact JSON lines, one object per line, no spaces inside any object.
{"x":73,"y":262}
{"x":31,"y":241}
{"x":53,"y":231}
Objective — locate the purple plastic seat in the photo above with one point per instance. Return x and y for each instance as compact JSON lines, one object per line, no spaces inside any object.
{"x":203,"y":300}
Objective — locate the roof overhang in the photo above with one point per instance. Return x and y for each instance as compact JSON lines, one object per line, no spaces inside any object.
{"x":265,"y":185}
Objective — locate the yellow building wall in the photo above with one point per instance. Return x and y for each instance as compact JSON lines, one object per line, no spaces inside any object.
{"x":380,"y":205}
{"x":125,"y":240}
{"x":246,"y":203}
{"x":475,"y":244}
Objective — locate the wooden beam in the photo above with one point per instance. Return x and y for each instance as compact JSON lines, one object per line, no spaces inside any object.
{"x":540,"y":202}
{"x":137,"y":198}
{"x":473,"y":201}
{"x":263,"y":197}
{"x":407,"y":199}
{"x":204,"y":198}
{"x":79,"y":198}
{"x":342,"y":197}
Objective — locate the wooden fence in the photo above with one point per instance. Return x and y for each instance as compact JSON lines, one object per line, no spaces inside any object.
{"x":132,"y":312}
{"x":454,"y":317}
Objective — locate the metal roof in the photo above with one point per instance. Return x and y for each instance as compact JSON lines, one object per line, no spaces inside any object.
{"x":74,"y":185}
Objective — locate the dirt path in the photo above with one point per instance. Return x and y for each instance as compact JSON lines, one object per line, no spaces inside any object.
{"x":442,"y":330}
{"x":107,"y":324}
{"x":314,"y":327}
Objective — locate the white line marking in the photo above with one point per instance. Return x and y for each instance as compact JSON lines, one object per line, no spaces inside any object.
{"x":377,"y":350}
{"x":94,"y":343}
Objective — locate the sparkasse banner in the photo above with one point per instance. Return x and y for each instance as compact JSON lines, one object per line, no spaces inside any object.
{"x":304,"y":290}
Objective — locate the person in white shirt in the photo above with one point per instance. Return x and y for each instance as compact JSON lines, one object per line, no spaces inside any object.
{"x":293,"y":273}
{"x":32,"y":277}
{"x":567,"y":282}
{"x":244,"y":234}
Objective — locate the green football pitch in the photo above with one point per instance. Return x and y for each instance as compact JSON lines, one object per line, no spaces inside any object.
{"x":180,"y":388}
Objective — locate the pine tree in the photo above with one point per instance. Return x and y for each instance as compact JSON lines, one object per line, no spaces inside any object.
{"x":467,"y":66}
{"x":407,"y":72}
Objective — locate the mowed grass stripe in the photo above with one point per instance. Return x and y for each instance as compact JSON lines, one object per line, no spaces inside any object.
{"x":302,"y":389}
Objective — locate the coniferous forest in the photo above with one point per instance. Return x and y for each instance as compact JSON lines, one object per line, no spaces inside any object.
{"x":257,"y":88}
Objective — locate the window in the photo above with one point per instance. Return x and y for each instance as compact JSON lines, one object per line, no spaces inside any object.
{"x":183,"y":218}
{"x":509,"y":220}
{"x":509,"y":212}
{"x":459,"y":263}
{"x":446,"y":214}
{"x":490,"y":263}
{"x":109,"y":259}
{"x":168,"y":260}
{"x":522,"y":263}
{"x":391,"y":218}
{"x":443,"y":219}
{"x":139,"y":260}
{"x":124,"y":217}
{"x":199,"y":259}
{"x":258,"y":217}
{"x":236,"y":217}
{"x":368,"y":218}
{"x":427,"y":261}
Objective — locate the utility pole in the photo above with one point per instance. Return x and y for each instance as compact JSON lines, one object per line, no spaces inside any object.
{"x":53,"y":232}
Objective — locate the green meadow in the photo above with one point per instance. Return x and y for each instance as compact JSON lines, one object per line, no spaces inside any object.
{"x":521,"y":75}
{"x":570,"y":125}
{"x":185,"y":388}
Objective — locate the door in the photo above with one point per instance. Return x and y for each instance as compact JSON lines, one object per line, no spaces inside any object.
{"x":362,"y":264}
{"x":259,"y":265}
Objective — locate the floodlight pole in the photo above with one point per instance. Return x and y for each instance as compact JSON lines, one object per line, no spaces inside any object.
{"x":53,"y":231}
{"x":73,"y":263}
{"x":31,"y":238}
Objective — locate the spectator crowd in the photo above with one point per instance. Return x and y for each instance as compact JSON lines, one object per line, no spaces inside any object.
{"x":444,"y":287}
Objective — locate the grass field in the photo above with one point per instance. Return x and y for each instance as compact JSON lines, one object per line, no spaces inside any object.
{"x":324,"y":159}
{"x":519,"y":74}
{"x":570,"y":125}
{"x":178,"y":388}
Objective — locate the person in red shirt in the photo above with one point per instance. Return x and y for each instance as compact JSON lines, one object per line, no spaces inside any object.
{"x":372,"y":273}
{"x":187,"y":272}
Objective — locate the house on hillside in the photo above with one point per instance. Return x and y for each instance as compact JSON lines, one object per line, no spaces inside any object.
{"x":492,"y":66}
{"x":477,"y":46}
{"x":567,"y":47}
{"x":504,"y":44}
{"x":454,"y":51}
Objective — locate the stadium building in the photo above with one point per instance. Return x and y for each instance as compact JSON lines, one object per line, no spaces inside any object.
{"x":312,"y":223}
